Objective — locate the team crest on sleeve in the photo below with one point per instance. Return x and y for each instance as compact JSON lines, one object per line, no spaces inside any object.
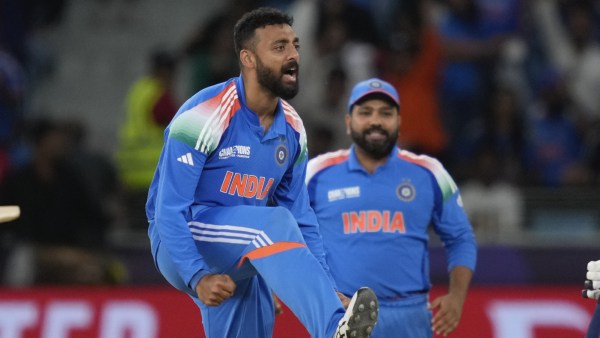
{"x":281,"y":154}
{"x":406,"y":191}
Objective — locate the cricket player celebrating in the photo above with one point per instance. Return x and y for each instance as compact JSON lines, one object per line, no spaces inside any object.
{"x":231,"y":148}
{"x":374,"y":203}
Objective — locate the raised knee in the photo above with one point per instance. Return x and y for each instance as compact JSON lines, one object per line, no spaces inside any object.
{"x":282,"y":216}
{"x":283,"y":222}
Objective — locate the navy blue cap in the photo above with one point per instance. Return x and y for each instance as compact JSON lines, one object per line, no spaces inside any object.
{"x":373,"y":86}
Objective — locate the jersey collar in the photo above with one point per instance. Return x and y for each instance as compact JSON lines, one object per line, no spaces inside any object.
{"x":354,"y":164}
{"x":278,"y":127}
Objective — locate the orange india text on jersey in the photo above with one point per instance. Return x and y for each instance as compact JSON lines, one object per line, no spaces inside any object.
{"x":244,"y":185}
{"x":373,"y":221}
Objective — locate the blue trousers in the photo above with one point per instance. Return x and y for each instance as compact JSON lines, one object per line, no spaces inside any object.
{"x":594,"y":327}
{"x":406,"y":318}
{"x":262,"y":249}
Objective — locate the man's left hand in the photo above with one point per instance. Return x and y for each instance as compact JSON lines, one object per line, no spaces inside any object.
{"x":345,"y":300}
{"x":448,"y":310}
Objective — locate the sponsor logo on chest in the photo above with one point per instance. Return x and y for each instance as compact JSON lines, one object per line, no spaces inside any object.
{"x":343,"y":193}
{"x":234,"y":151}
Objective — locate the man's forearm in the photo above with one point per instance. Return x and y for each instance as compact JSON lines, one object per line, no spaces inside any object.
{"x":460,"y":279}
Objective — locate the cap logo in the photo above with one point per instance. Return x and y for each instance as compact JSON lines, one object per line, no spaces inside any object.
{"x":375,"y":84}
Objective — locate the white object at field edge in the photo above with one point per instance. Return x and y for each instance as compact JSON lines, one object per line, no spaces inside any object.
{"x":9,"y":213}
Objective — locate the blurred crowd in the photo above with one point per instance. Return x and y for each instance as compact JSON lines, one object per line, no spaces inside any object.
{"x":512,"y":81}
{"x":503,"y":93}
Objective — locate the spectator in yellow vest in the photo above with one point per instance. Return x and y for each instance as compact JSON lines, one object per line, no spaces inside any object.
{"x":150,"y":105}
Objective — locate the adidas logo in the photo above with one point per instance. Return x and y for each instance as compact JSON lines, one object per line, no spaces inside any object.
{"x":187,"y":159}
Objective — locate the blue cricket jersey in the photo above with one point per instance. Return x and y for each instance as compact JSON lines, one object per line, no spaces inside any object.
{"x":216,"y":153}
{"x":375,"y":226}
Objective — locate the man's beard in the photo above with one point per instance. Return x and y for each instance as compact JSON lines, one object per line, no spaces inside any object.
{"x":268,"y":79}
{"x":377,"y":149}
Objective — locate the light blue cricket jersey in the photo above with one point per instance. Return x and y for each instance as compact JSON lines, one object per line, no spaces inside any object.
{"x":375,"y":226}
{"x":217,"y":154}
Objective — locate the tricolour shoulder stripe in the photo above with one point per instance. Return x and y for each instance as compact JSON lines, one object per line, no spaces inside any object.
{"x":444,"y":180}
{"x":201,"y":126}
{"x":292,"y":117}
{"x":218,"y":120}
{"x":325,"y":161}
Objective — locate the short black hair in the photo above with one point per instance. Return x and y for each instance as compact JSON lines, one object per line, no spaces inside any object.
{"x":244,"y":29}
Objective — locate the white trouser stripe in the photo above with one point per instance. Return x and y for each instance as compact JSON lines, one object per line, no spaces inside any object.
{"x":260,"y":241}
{"x":235,"y":234}
{"x":222,"y":233}
{"x":221,"y":240}
{"x":266,"y":238}
{"x":223,"y":227}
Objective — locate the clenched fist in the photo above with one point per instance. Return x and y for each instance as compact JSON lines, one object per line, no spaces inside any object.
{"x":215,"y":289}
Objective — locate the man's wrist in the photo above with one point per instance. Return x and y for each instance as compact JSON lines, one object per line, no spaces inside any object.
{"x":197,"y":277}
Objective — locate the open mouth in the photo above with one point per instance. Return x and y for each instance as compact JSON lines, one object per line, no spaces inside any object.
{"x":290,"y":73}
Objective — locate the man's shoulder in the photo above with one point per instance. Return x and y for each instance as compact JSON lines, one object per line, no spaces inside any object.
{"x":292,"y":117}
{"x":434,"y":167}
{"x":326,"y":160}
{"x":201,"y":121}
{"x":215,"y":93}
{"x":422,"y":160}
